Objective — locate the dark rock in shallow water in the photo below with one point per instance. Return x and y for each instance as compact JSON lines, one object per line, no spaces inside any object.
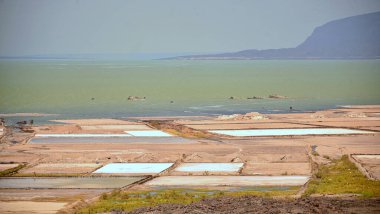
{"x":255,"y":98}
{"x":276,"y":96}
{"x":136,"y":98}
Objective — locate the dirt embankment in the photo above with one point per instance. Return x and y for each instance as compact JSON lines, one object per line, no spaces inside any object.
{"x":181,"y":130}
{"x":254,"y":204}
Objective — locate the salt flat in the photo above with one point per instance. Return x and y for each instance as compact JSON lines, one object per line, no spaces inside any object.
{"x":285,"y":132}
{"x":133,"y":168}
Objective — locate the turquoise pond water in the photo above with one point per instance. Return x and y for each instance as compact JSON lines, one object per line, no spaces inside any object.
{"x":284,"y":132}
{"x":83,"y":89}
{"x":134,"y":168}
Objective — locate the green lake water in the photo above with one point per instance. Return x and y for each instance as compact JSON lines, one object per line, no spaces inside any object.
{"x":183,"y":87}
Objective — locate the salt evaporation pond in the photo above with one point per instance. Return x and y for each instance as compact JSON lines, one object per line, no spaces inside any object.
{"x":130,"y":139}
{"x":154,"y":133}
{"x":132,"y":127}
{"x":68,"y":182}
{"x":82,"y":135}
{"x":284,"y":132}
{"x":134,"y":168}
{"x":228,"y":181}
{"x":210,"y":167}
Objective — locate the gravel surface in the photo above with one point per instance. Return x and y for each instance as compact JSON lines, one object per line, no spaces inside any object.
{"x":253,"y":204}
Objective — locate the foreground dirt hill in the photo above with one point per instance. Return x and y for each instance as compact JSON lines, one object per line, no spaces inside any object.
{"x":254,"y":204}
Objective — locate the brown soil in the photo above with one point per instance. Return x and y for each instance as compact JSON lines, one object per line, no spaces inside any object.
{"x":181,"y":130}
{"x":254,"y":204}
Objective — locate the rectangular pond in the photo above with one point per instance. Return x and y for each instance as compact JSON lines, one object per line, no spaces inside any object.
{"x":111,"y":140}
{"x":209,"y":167}
{"x":132,"y":127}
{"x":68,"y":182}
{"x":61,"y":168}
{"x":82,"y":135}
{"x":134,"y":168}
{"x":7,"y":166}
{"x":228,"y":181}
{"x":153,"y":133}
{"x":285,"y":132}
{"x":367,"y":157}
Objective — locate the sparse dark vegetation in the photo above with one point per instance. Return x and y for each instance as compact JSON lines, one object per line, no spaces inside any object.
{"x":126,"y":201}
{"x":11,"y":171}
{"x":342,"y":177}
{"x":180,"y":130}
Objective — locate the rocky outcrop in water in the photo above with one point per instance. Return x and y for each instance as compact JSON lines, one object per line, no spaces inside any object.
{"x":276,"y":96}
{"x":248,"y":116}
{"x":255,"y":98}
{"x":132,"y":98}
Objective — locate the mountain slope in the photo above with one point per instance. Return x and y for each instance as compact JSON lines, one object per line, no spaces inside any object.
{"x":356,"y":37}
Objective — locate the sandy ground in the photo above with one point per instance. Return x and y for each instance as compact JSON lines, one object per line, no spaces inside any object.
{"x":7,"y":166}
{"x":287,"y":155}
{"x":371,"y":163}
{"x":254,"y":168}
{"x":61,"y":168}
{"x":93,"y":122}
{"x":42,"y":200}
{"x":30,"y":207}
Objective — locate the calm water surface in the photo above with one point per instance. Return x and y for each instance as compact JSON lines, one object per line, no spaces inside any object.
{"x":183,"y":87}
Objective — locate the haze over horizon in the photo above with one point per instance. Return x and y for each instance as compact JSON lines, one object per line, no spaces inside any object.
{"x":130,"y":27}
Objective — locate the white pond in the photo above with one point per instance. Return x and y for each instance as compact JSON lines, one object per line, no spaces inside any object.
{"x":284,"y":132}
{"x":134,"y":168}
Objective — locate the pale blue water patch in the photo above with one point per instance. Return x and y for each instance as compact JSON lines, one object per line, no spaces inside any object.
{"x":134,"y":168}
{"x":82,"y":135}
{"x":68,"y":182}
{"x":228,"y":181}
{"x":210,"y":167}
{"x":155,"y":133}
{"x":131,"y":139}
{"x":284,"y":132}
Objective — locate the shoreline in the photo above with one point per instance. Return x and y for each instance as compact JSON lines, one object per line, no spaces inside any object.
{"x":72,"y":149}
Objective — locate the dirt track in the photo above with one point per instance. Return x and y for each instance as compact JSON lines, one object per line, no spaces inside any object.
{"x":254,"y":204}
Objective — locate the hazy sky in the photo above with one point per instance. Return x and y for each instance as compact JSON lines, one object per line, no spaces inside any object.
{"x":30,"y":27}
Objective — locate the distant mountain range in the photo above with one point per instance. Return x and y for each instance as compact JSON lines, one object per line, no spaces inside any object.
{"x":356,"y":37}
{"x":89,"y":56}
